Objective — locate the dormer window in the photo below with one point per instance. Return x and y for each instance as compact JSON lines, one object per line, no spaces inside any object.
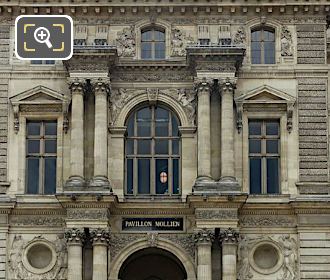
{"x":263,"y":45}
{"x":153,"y":43}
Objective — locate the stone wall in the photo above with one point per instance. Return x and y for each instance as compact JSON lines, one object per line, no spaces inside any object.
{"x":313,"y":151}
{"x":311,"y":44}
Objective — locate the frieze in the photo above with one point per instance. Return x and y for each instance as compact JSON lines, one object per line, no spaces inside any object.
{"x":37,"y":221}
{"x":17,"y":269}
{"x":154,"y":76}
{"x":89,"y":214}
{"x":216,"y":214}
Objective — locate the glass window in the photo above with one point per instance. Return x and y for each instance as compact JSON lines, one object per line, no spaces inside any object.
{"x":153,"y":44}
{"x":264,"y":156}
{"x":152,"y":152}
{"x":41,"y":148}
{"x":263,"y":46}
{"x":41,"y":62}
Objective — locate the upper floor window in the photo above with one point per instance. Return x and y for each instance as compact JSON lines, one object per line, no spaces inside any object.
{"x":264,"y":156}
{"x":41,"y":62}
{"x":263,"y":46}
{"x":41,"y":149}
{"x":152,"y":152}
{"x":153,"y":43}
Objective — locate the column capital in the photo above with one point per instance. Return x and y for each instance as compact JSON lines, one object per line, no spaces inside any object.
{"x":228,"y":236}
{"x":100,"y":85}
{"x":203,"y":84}
{"x":204,"y":236}
{"x":75,"y":236}
{"x":77,"y":85}
{"x":227,"y":85}
{"x":100,"y":236}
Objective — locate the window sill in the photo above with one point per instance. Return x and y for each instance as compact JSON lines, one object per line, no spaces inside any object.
{"x":153,"y":198}
{"x":36,"y":198}
{"x":268,"y":198}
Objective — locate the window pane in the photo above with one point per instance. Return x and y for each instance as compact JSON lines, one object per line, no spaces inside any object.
{"x":162,"y":122}
{"x":50,"y":128}
{"x":33,"y":128}
{"x":255,"y":36}
{"x":269,"y":52}
{"x":159,"y":36}
{"x":129,"y":176}
{"x":143,"y":176}
{"x":176,"y":187}
{"x":36,"y":61}
{"x":256,"y":52}
{"x":269,"y":35}
{"x":255,"y":175}
{"x":159,"y":50}
{"x":32,"y":175}
{"x":144,"y":147}
{"x":50,"y":176}
{"x":161,"y":176}
{"x":144,"y":122}
{"x":146,"y":50}
{"x":161,"y":147}
{"x":33,"y":146}
{"x":272,"y":175}
{"x":254,"y":128}
{"x":272,"y":146}
{"x":255,"y":146}
{"x":50,"y":146}
{"x":175,"y":128}
{"x":130,"y":126}
{"x":130,"y":147}
{"x":272,"y":128}
{"x":146,"y":35}
{"x":50,"y":61}
{"x":175,"y":147}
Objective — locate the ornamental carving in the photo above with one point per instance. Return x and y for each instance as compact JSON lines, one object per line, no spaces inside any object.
{"x":87,"y":214}
{"x":240,"y":36}
{"x":37,"y":220}
{"x":229,"y":236}
{"x":204,"y":236}
{"x":126,"y":42}
{"x":100,"y":235}
{"x":155,"y":76}
{"x":16,"y":266}
{"x":287,"y":266}
{"x":100,"y":85}
{"x":75,"y":235}
{"x":179,"y":42}
{"x":286,"y":42}
{"x":217,"y":214}
{"x":267,"y":221}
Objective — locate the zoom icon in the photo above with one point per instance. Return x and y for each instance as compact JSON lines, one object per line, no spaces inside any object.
{"x":43,"y":37}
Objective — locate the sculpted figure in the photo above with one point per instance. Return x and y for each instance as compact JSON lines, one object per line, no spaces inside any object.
{"x":126,"y":42}
{"x":290,"y":257}
{"x":187,"y":101}
{"x":286,"y":42}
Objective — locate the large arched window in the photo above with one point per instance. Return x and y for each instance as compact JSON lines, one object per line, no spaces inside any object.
{"x":153,"y":43}
{"x":152,"y":152}
{"x":263,"y":45}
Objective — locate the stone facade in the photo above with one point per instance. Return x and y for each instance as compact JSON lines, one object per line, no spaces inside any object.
{"x":90,"y":229}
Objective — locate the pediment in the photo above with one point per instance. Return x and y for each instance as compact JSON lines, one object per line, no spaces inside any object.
{"x":265,"y":94}
{"x":39,"y":95}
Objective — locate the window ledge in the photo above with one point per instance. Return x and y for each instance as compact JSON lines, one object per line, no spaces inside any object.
{"x":268,"y":198}
{"x":36,"y":198}
{"x":152,"y":198}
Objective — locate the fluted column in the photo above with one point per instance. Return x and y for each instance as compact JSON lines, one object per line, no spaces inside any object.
{"x":77,"y":133}
{"x":204,"y":239}
{"x":75,"y":238}
{"x":229,"y":240}
{"x":203,"y":87}
{"x":101,"y":90}
{"x":227,"y":133}
{"x":100,"y":241}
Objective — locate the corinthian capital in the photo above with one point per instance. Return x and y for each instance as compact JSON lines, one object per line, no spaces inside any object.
{"x":203,"y":84}
{"x":75,"y":236}
{"x":228,"y":85}
{"x":229,"y":236}
{"x":100,"y":236}
{"x":100,"y":85}
{"x":77,"y":85}
{"x":204,"y":236}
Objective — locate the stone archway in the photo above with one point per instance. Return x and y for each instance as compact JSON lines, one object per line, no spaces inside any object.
{"x":152,"y":264}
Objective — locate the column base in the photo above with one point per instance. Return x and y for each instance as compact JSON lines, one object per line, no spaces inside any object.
{"x":75,"y":181}
{"x":229,"y":183}
{"x":99,"y":182}
{"x":226,"y":185}
{"x":203,"y":183}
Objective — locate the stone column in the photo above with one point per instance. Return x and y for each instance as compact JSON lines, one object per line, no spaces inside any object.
{"x":101,"y":90}
{"x":203,"y":87}
{"x":77,"y":134}
{"x":229,"y":240}
{"x":75,"y":238}
{"x":204,"y":239}
{"x":100,"y":240}
{"x":227,"y":134}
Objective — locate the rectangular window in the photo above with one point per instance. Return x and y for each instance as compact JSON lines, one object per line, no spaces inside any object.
{"x":41,"y":156}
{"x":264,"y":156}
{"x":41,"y":62}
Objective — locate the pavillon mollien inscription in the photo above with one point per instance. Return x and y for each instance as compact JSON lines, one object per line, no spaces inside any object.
{"x":152,"y":224}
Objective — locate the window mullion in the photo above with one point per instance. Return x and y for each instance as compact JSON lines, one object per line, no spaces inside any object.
{"x":152,"y":159}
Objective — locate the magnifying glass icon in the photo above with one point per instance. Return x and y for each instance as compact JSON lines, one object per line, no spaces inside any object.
{"x":41,"y":35}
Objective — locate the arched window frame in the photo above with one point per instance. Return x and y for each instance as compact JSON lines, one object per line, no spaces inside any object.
{"x":153,"y":156}
{"x":263,"y":29}
{"x":153,"y":41}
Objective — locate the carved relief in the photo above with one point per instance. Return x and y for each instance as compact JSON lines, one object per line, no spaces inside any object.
{"x":229,"y":236}
{"x":75,"y":235}
{"x":240,"y":36}
{"x":204,"y":236}
{"x":16,"y":267}
{"x":37,"y":220}
{"x":265,"y":221}
{"x":187,"y":99}
{"x":91,"y":214}
{"x":100,"y":235}
{"x":179,"y":42}
{"x":216,"y":214}
{"x":286,"y":42}
{"x":126,"y":42}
